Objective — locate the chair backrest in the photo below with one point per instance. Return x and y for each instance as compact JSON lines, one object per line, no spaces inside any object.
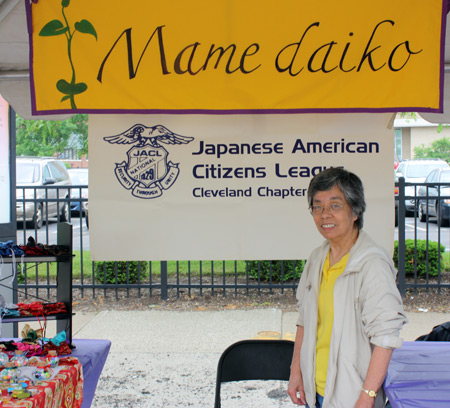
{"x":254,"y":360}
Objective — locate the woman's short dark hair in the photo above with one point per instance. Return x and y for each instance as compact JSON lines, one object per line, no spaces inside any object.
{"x":350,"y":185}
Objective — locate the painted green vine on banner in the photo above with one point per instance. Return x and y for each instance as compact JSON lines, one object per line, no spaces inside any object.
{"x":57,"y":27}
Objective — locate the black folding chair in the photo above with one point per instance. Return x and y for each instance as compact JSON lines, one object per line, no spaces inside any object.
{"x":254,"y":360}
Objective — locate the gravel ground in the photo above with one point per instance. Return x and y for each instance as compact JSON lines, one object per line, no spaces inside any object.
{"x":184,"y":302}
{"x":431,"y":302}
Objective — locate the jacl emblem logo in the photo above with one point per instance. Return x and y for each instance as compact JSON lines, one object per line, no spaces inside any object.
{"x":147,"y":172}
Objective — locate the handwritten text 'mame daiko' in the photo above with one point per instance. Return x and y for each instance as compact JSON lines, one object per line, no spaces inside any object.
{"x":340,"y":56}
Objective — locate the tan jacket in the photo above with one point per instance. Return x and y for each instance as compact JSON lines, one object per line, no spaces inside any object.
{"x":368,"y":311}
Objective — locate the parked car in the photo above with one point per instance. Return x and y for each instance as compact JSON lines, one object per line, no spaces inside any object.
{"x":415,"y":171}
{"x":35,"y":172}
{"x":86,"y":213}
{"x":79,"y":177}
{"x":434,"y":206}
{"x":396,"y":161}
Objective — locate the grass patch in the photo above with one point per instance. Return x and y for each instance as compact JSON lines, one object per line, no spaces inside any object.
{"x":76,"y":264}
{"x":183,"y":268}
{"x":44,"y":270}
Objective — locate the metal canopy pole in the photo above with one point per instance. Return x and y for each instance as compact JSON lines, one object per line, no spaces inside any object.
{"x":8,"y":230}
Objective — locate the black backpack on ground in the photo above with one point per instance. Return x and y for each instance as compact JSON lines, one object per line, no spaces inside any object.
{"x":440,"y":332}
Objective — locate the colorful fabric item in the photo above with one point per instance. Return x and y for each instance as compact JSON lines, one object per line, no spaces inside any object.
{"x":65,"y":390}
{"x":62,"y":348}
{"x":7,"y":345}
{"x":54,"y":308}
{"x":32,"y":248}
{"x":31,"y":309}
{"x":30,"y":335}
{"x":34,"y":251}
{"x":40,"y":309}
{"x":29,"y":349}
{"x":9,"y":248}
{"x":4,"y":311}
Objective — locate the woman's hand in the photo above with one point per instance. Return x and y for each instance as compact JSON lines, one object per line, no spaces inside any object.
{"x":295,"y":389}
{"x":364,"y":401}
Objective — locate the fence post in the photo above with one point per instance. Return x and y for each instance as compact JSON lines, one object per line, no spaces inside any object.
{"x":401,"y":237}
{"x":163,"y":280}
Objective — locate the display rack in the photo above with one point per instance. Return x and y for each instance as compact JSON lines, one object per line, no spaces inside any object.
{"x":63,"y":281}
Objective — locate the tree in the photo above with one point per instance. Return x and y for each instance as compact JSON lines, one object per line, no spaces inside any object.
{"x":80,"y":122}
{"x":439,"y":149}
{"x":47,"y":137}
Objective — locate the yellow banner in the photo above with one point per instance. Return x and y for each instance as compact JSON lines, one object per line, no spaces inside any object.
{"x":236,"y":56}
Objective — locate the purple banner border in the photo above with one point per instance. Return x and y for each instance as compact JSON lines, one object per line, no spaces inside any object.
{"x":232,"y":111}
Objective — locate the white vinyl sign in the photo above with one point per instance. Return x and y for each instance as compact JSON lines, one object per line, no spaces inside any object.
{"x":227,"y":187}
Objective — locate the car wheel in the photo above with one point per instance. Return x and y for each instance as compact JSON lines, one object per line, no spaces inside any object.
{"x":441,"y":220}
{"x":422,"y":215}
{"x":38,"y":219}
{"x":65,"y":212}
{"x":87,"y":219}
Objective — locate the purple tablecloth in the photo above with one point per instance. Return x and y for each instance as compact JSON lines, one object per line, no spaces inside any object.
{"x":92,"y":355}
{"x":419,"y":375}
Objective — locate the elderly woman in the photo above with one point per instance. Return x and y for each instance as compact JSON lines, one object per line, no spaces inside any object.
{"x":350,"y":311}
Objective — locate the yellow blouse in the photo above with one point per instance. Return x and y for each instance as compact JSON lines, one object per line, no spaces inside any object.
{"x":325,"y":318}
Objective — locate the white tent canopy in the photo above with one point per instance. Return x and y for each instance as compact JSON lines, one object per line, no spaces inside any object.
{"x":14,"y":64}
{"x":14,"y":59}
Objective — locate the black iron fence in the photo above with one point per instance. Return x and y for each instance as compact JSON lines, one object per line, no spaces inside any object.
{"x":420,"y":264}
{"x":422,"y":212}
{"x":150,"y":278}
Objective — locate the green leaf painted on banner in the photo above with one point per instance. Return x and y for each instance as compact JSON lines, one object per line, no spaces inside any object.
{"x":70,"y":89}
{"x":64,"y":98}
{"x":65,"y":3}
{"x":54,"y":27}
{"x":86,"y":27}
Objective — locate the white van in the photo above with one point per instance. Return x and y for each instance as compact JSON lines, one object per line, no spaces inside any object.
{"x":34,"y":205}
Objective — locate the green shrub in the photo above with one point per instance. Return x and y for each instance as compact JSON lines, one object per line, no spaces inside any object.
{"x":133,"y":269}
{"x":276,"y":271}
{"x":418,"y":257}
{"x":20,"y":277}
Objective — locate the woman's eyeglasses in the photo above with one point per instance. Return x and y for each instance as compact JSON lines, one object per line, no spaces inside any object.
{"x":332,"y":208}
